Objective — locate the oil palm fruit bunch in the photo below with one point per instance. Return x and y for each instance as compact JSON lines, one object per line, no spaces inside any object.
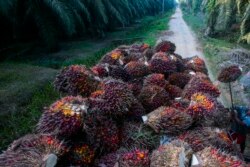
{"x":76,"y":80}
{"x":202,"y":105}
{"x":210,"y":156}
{"x":169,"y":155}
{"x":153,"y":97}
{"x":168,"y":120}
{"x":137,"y":69}
{"x":179,"y":62}
{"x":135,"y":158}
{"x":102,"y":132}
{"x":109,"y":160}
{"x":118,"y":72}
{"x":165,"y":46}
{"x":137,"y":135}
{"x":148,"y":54}
{"x":81,"y":155}
{"x":200,"y":85}
{"x":229,"y":74}
{"x":33,"y":151}
{"x":113,"y":57}
{"x":101,"y":70}
{"x":155,"y":79}
{"x":115,"y":99}
{"x":179,"y":79}
{"x":200,"y":138}
{"x":161,"y":63}
{"x":135,"y":86}
{"x":174,"y":91}
{"x":136,"y":111}
{"x":180,"y":104}
{"x":64,"y":118}
{"x":197,"y":64}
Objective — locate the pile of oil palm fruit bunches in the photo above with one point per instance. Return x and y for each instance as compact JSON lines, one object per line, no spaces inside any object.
{"x":140,"y":106}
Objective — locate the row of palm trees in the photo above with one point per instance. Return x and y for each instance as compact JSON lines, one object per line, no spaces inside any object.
{"x":224,"y":15}
{"x":55,"y":19}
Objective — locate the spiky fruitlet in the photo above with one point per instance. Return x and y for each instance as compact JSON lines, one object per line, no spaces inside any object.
{"x":76,"y":80}
{"x":179,"y":79}
{"x":155,"y":79}
{"x":168,"y":120}
{"x":101,"y":70}
{"x":81,"y":155}
{"x":136,"y":69}
{"x":169,"y":155}
{"x":202,"y":105}
{"x":116,"y":98}
{"x":137,"y":135}
{"x":180,"y":104}
{"x":113,"y":57}
{"x":161,"y":63}
{"x":200,"y":85}
{"x":135,"y":158}
{"x":200,"y":138}
{"x":108,"y":160}
{"x":64,"y":117}
{"x":165,"y":46}
{"x":197,"y":64}
{"x":102,"y":132}
{"x":153,"y":97}
{"x":174,"y":91}
{"x":210,"y":156}
{"x":229,"y":74}
{"x":32,"y":151}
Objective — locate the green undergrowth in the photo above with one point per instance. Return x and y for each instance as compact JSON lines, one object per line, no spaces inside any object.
{"x":16,"y":124}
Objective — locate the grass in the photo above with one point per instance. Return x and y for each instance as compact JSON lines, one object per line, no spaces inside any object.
{"x":213,"y":48}
{"x":29,"y":74}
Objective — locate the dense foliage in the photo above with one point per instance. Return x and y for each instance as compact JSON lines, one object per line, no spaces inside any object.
{"x":224,"y":16}
{"x":54,"y":19}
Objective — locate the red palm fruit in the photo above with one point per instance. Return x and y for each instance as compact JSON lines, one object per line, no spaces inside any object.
{"x":137,"y":135}
{"x":135,"y":158}
{"x":64,"y":117}
{"x":202,"y":105}
{"x":210,"y":156}
{"x":82,"y":155}
{"x":200,"y":138}
{"x":108,"y":160}
{"x":153,"y":97}
{"x":144,"y":47}
{"x":155,"y":79}
{"x":180,"y":104}
{"x":229,"y":74}
{"x":179,"y":79}
{"x":101,"y":70}
{"x":135,"y":86}
{"x":168,"y":155}
{"x":200,"y":85}
{"x":168,"y":120}
{"x":115,"y":100}
{"x":76,"y":80}
{"x":179,"y":62}
{"x":173,"y":91}
{"x":136,"y":110}
{"x":113,"y":57}
{"x":165,"y":46}
{"x":197,"y":64}
{"x":160,"y":63}
{"x":102,"y":132}
{"x":33,"y":151}
{"x":136,"y":69}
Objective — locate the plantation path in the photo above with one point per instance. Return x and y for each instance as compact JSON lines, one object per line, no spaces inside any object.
{"x":183,"y":37}
{"x":186,"y":42}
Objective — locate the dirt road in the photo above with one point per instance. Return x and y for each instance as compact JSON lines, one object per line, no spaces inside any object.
{"x":182,"y":36}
